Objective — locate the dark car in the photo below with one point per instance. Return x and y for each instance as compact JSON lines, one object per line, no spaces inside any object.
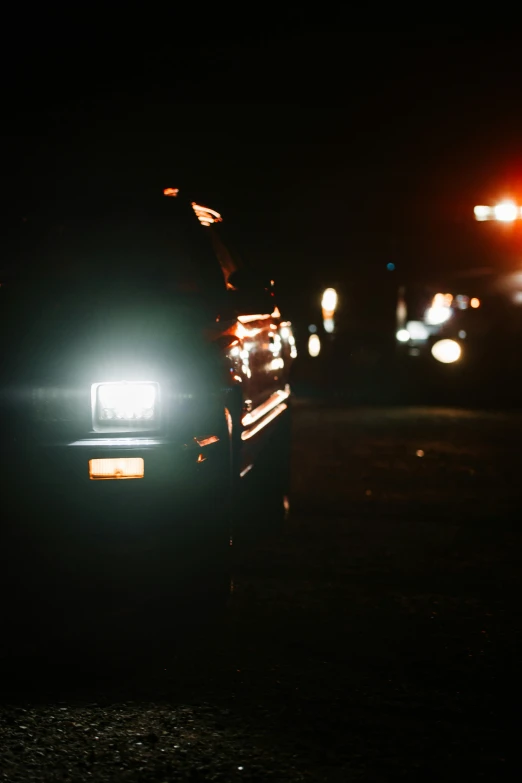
{"x":145,"y":383}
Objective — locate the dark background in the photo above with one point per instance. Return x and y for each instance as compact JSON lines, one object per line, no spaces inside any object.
{"x":332,"y":145}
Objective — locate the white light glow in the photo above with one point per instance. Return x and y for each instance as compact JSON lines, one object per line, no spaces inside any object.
{"x":417,"y":330}
{"x":482,"y":212}
{"x":329,"y":325}
{"x":446,"y":351}
{"x":506,"y":211}
{"x":403,"y":335}
{"x":437,"y":315}
{"x":314,"y":345}
{"x":127,"y":401}
{"x":329,"y":300}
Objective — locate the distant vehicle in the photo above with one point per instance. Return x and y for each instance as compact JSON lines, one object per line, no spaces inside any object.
{"x":473,"y":320}
{"x":145,"y":383}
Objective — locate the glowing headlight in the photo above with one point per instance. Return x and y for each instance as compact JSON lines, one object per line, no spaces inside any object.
{"x":135,"y":404}
{"x":446,"y":351}
{"x":437,"y":315}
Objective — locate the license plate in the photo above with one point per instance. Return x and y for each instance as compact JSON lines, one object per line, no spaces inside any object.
{"x":117,"y":468}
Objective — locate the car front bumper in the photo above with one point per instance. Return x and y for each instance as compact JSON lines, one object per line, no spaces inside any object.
{"x":58,"y":523}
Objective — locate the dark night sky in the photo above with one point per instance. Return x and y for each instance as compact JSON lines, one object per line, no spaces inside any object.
{"x":335,"y":146}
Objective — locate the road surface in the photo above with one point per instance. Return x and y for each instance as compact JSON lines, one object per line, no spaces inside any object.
{"x":380,"y":638}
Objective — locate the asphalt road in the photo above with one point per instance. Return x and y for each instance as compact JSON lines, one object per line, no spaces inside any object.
{"x":380,"y":638}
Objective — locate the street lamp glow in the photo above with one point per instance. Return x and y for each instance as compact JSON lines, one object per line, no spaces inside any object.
{"x":329,"y":300}
{"x":403,"y":335}
{"x":314,"y":345}
{"x":506,"y":212}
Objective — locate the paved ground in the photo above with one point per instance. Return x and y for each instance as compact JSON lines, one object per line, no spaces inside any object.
{"x":379,"y":639}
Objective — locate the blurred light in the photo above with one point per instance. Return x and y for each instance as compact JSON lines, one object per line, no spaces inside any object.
{"x":242,"y":331}
{"x":245,"y":319}
{"x":482,"y":212}
{"x":275,"y":347}
{"x":517,"y":297}
{"x":206,"y":216}
{"x":285,"y":333}
{"x":462,"y":302}
{"x":437,"y":315}
{"x":440,"y":311}
{"x":117,"y":468}
{"x":329,"y":300}
{"x":475,"y":303}
{"x":314,"y":345}
{"x":403,"y":335}
{"x":419,"y":453}
{"x":329,"y":325}
{"x":390,"y":267}
{"x":312,"y":328}
{"x":293,"y":352}
{"x":125,"y":401}
{"x":402,"y":310}
{"x":463,"y":334}
{"x":173,"y":192}
{"x":234,"y":351}
{"x":446,"y":351}
{"x":506,"y":212}
{"x":417,"y":330}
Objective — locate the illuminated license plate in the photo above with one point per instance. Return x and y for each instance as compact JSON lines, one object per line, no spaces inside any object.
{"x":117,"y":468}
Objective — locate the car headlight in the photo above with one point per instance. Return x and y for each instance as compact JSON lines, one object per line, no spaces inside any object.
{"x":446,"y":351}
{"x":130,"y":405}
